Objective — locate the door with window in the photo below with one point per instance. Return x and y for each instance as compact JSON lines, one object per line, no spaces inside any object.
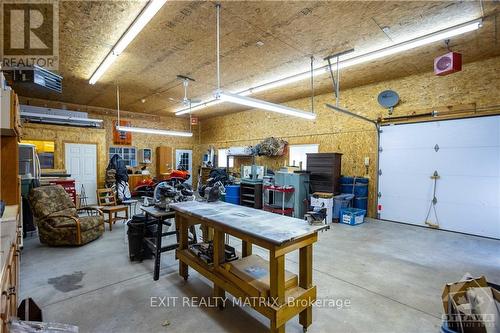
{"x":184,"y":160}
{"x":81,"y":163}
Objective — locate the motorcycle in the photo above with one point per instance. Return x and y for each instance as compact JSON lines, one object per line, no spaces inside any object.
{"x":146,"y":187}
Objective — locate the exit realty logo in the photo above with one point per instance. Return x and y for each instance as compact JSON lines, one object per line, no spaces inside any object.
{"x":30,"y":34}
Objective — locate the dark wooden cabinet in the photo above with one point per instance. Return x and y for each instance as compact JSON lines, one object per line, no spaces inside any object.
{"x":325,"y":169}
{"x":251,"y":195}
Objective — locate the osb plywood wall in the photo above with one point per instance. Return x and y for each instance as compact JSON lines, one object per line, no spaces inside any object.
{"x":354,"y":138}
{"x":62,"y":135}
{"x":104,"y":137}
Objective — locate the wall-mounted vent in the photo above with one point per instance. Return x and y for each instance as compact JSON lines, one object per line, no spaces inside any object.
{"x":39,"y":76}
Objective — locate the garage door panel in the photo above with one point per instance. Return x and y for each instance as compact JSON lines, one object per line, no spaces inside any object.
{"x":446,"y":161}
{"x":468,"y":133}
{"x":417,"y":187}
{"x":411,"y":161}
{"x":413,"y":138}
{"x":482,"y":221}
{"x":450,"y":216}
{"x":479,"y":191}
{"x":468,"y":162}
{"x":410,"y":211}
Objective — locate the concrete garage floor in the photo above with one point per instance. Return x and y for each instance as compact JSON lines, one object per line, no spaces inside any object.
{"x":392,"y":275}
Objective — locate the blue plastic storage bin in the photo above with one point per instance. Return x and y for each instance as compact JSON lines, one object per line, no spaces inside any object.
{"x":341,"y":201}
{"x":233,"y":190}
{"x":233,"y":194}
{"x":233,"y":200}
{"x":354,"y":185}
{"x":352,"y":216}
{"x":361,"y":203}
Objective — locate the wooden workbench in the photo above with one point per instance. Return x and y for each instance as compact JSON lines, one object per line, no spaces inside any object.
{"x":278,"y":234}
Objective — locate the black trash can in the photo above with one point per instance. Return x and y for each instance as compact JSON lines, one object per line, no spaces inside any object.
{"x":137,"y":230}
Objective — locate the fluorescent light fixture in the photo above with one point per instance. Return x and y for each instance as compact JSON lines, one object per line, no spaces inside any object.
{"x":363,"y":58}
{"x":58,"y":117}
{"x":103,"y":67}
{"x":152,"y":131}
{"x":412,"y":44}
{"x":199,"y":106}
{"x":259,"y":104}
{"x":148,"y":12}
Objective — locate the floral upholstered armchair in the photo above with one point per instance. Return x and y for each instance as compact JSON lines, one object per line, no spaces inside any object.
{"x":58,"y":220}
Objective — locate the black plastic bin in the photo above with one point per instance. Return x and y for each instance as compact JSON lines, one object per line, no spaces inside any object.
{"x":137,"y":231}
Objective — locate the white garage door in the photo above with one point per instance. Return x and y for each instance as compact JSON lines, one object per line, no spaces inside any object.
{"x":466,"y":155}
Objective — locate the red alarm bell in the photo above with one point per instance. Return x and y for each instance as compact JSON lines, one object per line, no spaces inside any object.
{"x":449,"y":63}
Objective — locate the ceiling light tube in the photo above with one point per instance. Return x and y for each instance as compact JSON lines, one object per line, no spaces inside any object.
{"x":152,"y":131}
{"x":412,"y":44}
{"x":148,"y":12}
{"x":363,"y":58}
{"x":198,"y":106}
{"x":259,"y":104}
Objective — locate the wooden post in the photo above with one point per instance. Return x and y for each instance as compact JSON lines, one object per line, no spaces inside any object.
{"x":274,"y":329}
{"x":305,"y":281}
{"x":246,"y":249}
{"x":183,"y":243}
{"x":219,"y":259}
{"x":277,"y":285}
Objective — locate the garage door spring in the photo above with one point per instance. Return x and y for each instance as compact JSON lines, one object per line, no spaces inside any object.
{"x":433,"y":203}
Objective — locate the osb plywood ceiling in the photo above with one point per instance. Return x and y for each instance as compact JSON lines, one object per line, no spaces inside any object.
{"x":260,"y":41}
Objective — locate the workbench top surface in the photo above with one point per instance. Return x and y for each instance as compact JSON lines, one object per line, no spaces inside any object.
{"x":273,"y":228}
{"x":156,"y":212}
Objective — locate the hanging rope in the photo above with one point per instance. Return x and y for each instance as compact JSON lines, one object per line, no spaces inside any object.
{"x":433,"y":203}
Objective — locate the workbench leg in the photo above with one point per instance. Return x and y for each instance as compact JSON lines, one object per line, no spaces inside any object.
{"x":159,"y":230}
{"x":192,"y":229}
{"x":274,"y":329}
{"x":219,"y":259}
{"x":277,"y":278}
{"x":207,"y":233}
{"x":246,"y":248}
{"x":183,"y":244}
{"x":305,"y":281}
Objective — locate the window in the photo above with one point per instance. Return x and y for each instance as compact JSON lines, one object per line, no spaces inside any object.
{"x":45,"y":152}
{"x":183,"y":161}
{"x":222,"y":159}
{"x":127,"y":153}
{"x":298,"y":154}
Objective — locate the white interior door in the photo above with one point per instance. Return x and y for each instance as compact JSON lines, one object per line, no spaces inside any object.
{"x":81,"y":163}
{"x":466,"y":155}
{"x":184,"y":159}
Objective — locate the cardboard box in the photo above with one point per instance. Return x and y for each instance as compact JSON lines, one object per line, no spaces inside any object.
{"x":472,"y":306}
{"x":455,"y":287}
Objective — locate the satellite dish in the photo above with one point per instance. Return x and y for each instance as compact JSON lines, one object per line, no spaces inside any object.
{"x":388,"y":99}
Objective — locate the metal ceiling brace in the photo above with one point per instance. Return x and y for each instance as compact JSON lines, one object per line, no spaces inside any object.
{"x":118,"y":104}
{"x":217,"y":8}
{"x":312,"y":84}
{"x":339,"y":109}
{"x":336,"y":82}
